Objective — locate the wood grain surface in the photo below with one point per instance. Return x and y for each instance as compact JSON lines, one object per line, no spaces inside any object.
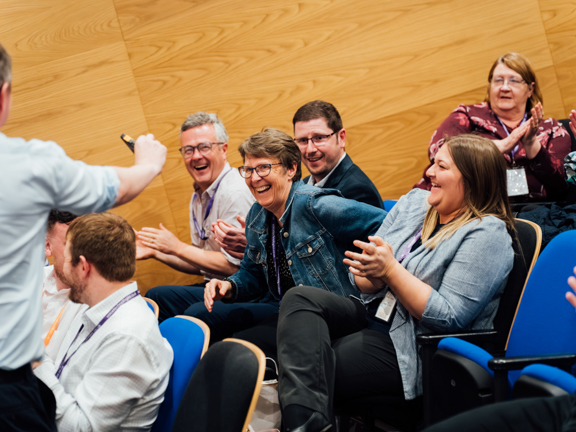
{"x":85,"y":72}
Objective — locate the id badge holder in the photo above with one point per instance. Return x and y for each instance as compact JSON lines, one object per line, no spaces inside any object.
{"x":386,"y":308}
{"x":517,"y":182}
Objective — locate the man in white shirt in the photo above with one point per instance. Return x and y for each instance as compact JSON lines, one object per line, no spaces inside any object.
{"x":220,"y":193}
{"x":113,"y":367}
{"x":58,"y":311}
{"x":37,"y":176}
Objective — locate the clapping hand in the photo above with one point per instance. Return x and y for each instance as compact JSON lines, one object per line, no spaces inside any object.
{"x":573,"y":122}
{"x":572,"y":282}
{"x":161,"y":240}
{"x":529,"y":140}
{"x":143,"y":252}
{"x":374,"y":263}
{"x":231,"y":238}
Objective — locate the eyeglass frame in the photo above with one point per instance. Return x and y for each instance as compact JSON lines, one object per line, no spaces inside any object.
{"x":252,"y":170}
{"x":325,"y":139}
{"x":512,"y":84}
{"x":182,"y":150}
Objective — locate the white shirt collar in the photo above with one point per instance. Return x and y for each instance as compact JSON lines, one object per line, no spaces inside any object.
{"x":322,"y":182}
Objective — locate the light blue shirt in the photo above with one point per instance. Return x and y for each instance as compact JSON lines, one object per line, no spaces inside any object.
{"x":36,"y":177}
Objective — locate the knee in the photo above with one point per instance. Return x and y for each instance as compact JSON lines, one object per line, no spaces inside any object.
{"x":297,"y":298}
{"x":154,"y":293}
{"x":304,"y":299}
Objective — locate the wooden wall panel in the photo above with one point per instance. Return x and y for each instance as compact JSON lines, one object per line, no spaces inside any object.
{"x":85,"y":72}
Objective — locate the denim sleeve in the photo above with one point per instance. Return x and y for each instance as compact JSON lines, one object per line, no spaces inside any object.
{"x":250,"y":281}
{"x":346,"y":220}
{"x":473,"y":277}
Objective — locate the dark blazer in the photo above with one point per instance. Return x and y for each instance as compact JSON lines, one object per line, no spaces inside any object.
{"x":351,"y":181}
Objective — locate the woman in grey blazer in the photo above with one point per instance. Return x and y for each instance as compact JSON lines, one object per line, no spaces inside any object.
{"x":439,"y":262}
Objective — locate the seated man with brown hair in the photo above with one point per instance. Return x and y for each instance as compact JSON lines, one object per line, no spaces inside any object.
{"x":112,"y":369}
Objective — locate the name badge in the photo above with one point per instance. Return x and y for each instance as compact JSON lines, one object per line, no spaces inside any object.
{"x":386,"y":307}
{"x":517,"y":182}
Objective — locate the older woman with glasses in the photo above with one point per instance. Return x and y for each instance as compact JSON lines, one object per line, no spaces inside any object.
{"x":297,"y":234}
{"x":512,"y":117}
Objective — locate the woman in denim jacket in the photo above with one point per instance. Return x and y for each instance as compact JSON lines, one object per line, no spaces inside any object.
{"x":439,"y":262}
{"x":297,"y":234}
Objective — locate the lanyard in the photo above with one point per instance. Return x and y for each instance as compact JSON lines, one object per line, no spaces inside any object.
{"x":54,"y":327}
{"x":516,"y":148}
{"x":201,"y":232}
{"x":276,"y":266}
{"x":408,"y":247}
{"x":67,"y":357}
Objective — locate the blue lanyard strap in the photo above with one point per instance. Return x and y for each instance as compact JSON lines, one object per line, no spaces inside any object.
{"x":111,"y":312}
{"x":200,"y":231}
{"x":276,"y":265}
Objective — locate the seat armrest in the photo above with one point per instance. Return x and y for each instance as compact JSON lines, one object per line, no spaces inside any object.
{"x":474,"y":336}
{"x":429,"y":343}
{"x":563,"y":361}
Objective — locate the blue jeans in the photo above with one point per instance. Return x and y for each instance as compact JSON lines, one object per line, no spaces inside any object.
{"x":225,"y":318}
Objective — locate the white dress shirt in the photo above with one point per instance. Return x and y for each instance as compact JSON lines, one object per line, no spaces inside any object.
{"x":54,"y":301}
{"x":37,"y":176}
{"x":231,"y":199}
{"x":117,"y":379}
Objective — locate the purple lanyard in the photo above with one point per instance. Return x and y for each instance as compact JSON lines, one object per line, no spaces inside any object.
{"x":67,"y":358}
{"x":516,"y":148}
{"x":201,"y":232}
{"x":276,"y":269}
{"x":408,"y":247}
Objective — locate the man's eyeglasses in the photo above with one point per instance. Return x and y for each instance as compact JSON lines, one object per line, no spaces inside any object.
{"x":262,"y":170}
{"x":512,"y":82}
{"x":203,"y":148}
{"x":316,"y":139}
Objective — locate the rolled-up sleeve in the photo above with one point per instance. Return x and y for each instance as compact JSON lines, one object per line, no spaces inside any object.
{"x":73,"y":185}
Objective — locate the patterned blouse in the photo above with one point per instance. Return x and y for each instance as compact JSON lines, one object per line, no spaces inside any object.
{"x":545,"y":173}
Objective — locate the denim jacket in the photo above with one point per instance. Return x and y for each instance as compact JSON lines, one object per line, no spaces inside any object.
{"x":318,"y":226}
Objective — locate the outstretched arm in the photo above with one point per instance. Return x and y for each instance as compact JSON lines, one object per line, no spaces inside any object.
{"x":149,"y":159}
{"x":177,"y":254}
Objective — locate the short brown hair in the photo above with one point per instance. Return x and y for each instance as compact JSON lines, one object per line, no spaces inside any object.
{"x":107,"y":242}
{"x":273,"y":143}
{"x":319,"y":109}
{"x":519,"y":64}
{"x":5,"y":67}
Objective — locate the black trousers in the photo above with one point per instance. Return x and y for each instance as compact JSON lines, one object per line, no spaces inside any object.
{"x":550,"y":414}
{"x":329,"y":352}
{"x":26,"y":404}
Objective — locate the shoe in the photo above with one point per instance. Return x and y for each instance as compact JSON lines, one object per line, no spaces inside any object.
{"x":316,"y":423}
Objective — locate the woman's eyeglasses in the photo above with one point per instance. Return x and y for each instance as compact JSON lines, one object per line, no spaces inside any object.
{"x":262,"y":170}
